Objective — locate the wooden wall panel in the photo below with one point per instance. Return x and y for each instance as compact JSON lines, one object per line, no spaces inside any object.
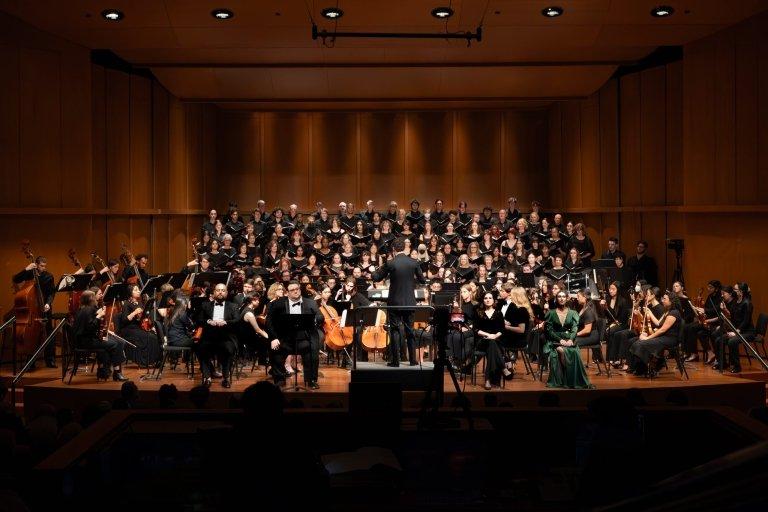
{"x":10,"y":91}
{"x":193,"y":145}
{"x":725,"y":119}
{"x":653,"y":136}
{"x":609,"y":144}
{"x":209,"y":151}
{"x":40,"y":128}
{"x":477,"y":170}
{"x":430,"y":157}
{"x":237,"y":175}
{"x":160,"y":145}
{"x":99,"y":137}
{"x":555,"y":142}
{"x":76,"y":158}
{"x":178,"y":254}
{"x":335,"y":159}
{"x":140,"y":143}
{"x":674,"y":133}
{"x":525,"y":157}
{"x":571,"y":133}
{"x":761,"y":41}
{"x":589,"y":122}
{"x":177,"y":154}
{"x":382,"y":158}
{"x":631,"y":144}
{"x":118,"y":147}
{"x":746,"y":97}
{"x":285,"y":167}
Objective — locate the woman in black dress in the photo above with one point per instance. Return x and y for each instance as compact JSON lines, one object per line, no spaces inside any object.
{"x":86,"y":329}
{"x":650,"y":346}
{"x":147,"y":350}
{"x":460,"y":337}
{"x":588,"y":334}
{"x":489,"y":328}
{"x":617,"y":312}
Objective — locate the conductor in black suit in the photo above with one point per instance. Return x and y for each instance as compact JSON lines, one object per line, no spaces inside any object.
{"x":403,"y":272}
{"x":307,"y":342}
{"x":218,"y":318}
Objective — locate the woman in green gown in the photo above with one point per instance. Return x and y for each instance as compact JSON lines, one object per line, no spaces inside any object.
{"x":566,"y":369}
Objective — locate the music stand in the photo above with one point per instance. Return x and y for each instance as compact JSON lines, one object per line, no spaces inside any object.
{"x":360,"y":318}
{"x":575,"y":282}
{"x":117,"y":292}
{"x":74,"y":282}
{"x":213,"y":278}
{"x":152,"y":285}
{"x":443,"y":298}
{"x":527,"y":280}
{"x":287,"y":326}
{"x":176,"y":279}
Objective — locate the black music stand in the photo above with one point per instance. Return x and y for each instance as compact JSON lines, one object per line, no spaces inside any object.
{"x":360,"y":318}
{"x":527,"y":280}
{"x":213,"y":278}
{"x":152,"y":285}
{"x":287,"y":326}
{"x":74,"y":282}
{"x":175,"y":279}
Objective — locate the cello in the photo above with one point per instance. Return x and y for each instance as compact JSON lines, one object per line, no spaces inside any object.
{"x":376,"y":337}
{"x":29,"y":307}
{"x":336,"y":336}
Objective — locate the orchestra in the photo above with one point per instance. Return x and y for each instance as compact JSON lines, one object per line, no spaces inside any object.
{"x":519,"y":282}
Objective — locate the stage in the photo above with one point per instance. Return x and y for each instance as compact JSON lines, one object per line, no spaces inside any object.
{"x":706,"y":387}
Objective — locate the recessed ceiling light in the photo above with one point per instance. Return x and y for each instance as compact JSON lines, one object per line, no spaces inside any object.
{"x":332,"y":13}
{"x":442,"y":13}
{"x":222,"y":14}
{"x":112,"y":14}
{"x":662,"y":11}
{"x":552,"y":12}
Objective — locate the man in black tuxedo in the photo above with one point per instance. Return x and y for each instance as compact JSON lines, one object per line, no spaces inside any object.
{"x":307,"y":342}
{"x":403,"y":272}
{"x":218,"y":318}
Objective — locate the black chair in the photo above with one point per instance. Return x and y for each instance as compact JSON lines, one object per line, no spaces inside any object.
{"x":600,"y":325}
{"x":676,"y":352}
{"x":760,"y":332}
{"x":522,"y":351}
{"x":178,"y":353}
{"x":77,"y":355}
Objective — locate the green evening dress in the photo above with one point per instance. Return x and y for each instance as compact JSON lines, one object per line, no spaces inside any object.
{"x":574,"y":375}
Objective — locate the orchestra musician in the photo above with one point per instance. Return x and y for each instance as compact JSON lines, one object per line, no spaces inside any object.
{"x":706,"y":322}
{"x":617,"y":319}
{"x":737,"y":299}
{"x":566,"y":369}
{"x":650,"y":345}
{"x":135,"y":329}
{"x":304,"y":343}
{"x":48,"y":291}
{"x":140,"y":264}
{"x":218,"y":318}
{"x":86,"y":329}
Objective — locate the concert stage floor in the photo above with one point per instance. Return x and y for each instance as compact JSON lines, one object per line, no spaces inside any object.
{"x":705,"y":388}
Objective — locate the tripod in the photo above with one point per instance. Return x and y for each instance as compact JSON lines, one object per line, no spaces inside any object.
{"x":428,"y":415}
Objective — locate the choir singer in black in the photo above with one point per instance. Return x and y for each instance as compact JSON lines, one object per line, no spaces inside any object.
{"x":403,"y":272}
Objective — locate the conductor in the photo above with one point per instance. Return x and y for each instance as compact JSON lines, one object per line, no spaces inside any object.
{"x":403,"y":271}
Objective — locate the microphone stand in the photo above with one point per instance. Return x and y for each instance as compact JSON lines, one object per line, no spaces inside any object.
{"x":726,"y":321}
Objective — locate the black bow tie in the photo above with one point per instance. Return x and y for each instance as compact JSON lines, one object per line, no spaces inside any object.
{"x":219,"y":303}
{"x":294,"y":304}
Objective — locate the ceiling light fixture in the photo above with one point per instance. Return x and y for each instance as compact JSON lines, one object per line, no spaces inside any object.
{"x":332,"y":13}
{"x":662,"y":11}
{"x":112,"y":15}
{"x":222,"y":14}
{"x":552,"y":12}
{"x":442,"y":13}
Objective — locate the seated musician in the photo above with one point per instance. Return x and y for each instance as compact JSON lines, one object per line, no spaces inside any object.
{"x":588,"y":334}
{"x":566,"y":369}
{"x":218,"y":318}
{"x":652,"y":314}
{"x":738,"y":301}
{"x":86,"y":328}
{"x":142,"y":260}
{"x":251,"y":333}
{"x":304,"y":343}
{"x":650,"y":346}
{"x":135,"y":329}
{"x":702,"y":331}
{"x":617,"y":312}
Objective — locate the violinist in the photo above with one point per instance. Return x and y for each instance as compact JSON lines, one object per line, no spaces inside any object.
{"x":707,"y":320}
{"x":178,"y":326}
{"x":664,"y":336}
{"x":251,"y":333}
{"x":47,"y":290}
{"x":86,"y":329}
{"x":737,"y":300}
{"x":133,"y":327}
{"x":617,"y":313}
{"x":652,"y":318}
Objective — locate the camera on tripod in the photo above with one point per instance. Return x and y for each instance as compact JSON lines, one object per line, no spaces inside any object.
{"x":675,"y":244}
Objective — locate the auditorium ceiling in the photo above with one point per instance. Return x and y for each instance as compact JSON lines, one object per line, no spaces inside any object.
{"x":265,"y":57}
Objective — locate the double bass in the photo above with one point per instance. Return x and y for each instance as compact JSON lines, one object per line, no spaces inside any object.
{"x":29,"y":307}
{"x":129,"y":260}
{"x":74,"y":297}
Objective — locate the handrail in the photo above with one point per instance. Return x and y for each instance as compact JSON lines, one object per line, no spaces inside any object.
{"x":34,"y":356}
{"x":6,"y":324}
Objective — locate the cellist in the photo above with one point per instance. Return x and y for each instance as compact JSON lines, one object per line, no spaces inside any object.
{"x":47,"y":289}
